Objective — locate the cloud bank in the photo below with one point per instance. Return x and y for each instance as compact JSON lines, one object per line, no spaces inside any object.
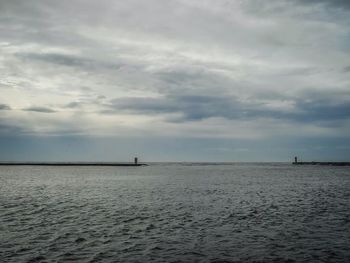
{"x":183,"y":70}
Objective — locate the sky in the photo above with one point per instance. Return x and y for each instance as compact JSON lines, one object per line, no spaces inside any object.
{"x":175,"y":80}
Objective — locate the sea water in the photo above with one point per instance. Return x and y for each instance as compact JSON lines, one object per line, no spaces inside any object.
{"x":175,"y":213}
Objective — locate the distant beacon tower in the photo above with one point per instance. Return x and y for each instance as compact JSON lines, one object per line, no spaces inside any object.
{"x":135,"y":160}
{"x":295,"y":159}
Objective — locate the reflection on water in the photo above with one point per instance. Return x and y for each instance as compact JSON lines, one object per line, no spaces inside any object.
{"x":175,"y":212}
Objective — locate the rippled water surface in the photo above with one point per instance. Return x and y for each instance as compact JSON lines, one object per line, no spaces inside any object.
{"x":175,"y":213}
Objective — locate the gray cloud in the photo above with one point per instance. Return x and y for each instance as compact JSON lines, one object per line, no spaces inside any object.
{"x":39,"y":109}
{"x":5,"y":107}
{"x":13,"y":130}
{"x":202,"y":107}
{"x":60,"y":59}
{"x":73,"y":104}
{"x":342,"y":4}
{"x":68,"y":60}
{"x":347,"y":69}
{"x":323,"y":110}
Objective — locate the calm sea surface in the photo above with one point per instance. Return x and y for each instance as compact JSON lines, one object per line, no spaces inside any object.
{"x":175,"y":213}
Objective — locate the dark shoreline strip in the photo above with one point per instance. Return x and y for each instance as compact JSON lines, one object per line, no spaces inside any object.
{"x":70,"y":164}
{"x":323,"y":163}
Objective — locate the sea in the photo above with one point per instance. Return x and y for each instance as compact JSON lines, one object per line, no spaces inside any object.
{"x":175,"y":212}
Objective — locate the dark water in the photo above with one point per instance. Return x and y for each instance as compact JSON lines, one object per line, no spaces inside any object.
{"x":175,"y":213}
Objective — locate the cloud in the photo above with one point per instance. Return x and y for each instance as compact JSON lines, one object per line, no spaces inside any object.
{"x":234,"y":69}
{"x":347,"y":69}
{"x":323,"y":110}
{"x":5,"y":107}
{"x":39,"y":109}
{"x":8,"y":129}
{"x":341,"y":4}
{"x":60,"y":59}
{"x":67,"y":60}
{"x":73,"y":104}
{"x":203,"y":107}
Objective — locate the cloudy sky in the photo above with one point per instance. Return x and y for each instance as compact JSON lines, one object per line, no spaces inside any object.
{"x":175,"y":80}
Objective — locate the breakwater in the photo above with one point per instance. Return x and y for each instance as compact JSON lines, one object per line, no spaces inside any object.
{"x":296,"y":162}
{"x":73,"y":163}
{"x":323,"y":163}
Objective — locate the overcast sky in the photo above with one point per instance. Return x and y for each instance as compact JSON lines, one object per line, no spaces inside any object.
{"x":176,"y":80}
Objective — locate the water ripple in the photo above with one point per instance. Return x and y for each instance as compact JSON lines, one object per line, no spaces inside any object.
{"x":175,"y":213}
